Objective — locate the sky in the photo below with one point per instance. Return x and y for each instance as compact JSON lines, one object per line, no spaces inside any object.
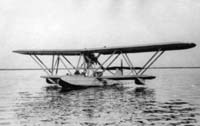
{"x":69,"y":24}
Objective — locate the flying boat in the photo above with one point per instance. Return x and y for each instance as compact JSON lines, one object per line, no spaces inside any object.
{"x":91,"y":71}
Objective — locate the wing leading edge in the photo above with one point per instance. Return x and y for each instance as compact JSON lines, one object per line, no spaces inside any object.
{"x":110,"y":50}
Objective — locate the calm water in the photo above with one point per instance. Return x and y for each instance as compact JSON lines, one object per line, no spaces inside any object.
{"x":173,"y":98}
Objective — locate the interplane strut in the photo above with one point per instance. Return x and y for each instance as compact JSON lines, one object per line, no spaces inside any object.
{"x":85,"y":63}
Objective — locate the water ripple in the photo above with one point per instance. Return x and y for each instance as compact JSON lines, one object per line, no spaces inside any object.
{"x":103,"y":107}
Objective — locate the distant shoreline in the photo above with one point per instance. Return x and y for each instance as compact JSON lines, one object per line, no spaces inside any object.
{"x":24,"y":69}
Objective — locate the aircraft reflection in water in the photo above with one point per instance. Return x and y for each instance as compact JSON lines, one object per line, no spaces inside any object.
{"x":103,"y":106}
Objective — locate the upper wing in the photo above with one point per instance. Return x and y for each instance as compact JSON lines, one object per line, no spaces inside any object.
{"x":106,"y":50}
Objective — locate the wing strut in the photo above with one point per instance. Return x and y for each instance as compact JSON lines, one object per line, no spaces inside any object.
{"x":101,"y":66}
{"x":41,"y":64}
{"x":52,"y":66}
{"x":128,"y":61}
{"x":112,"y":62}
{"x":57,"y":64}
{"x":53,"y":70}
{"x":61,"y":60}
{"x":69,"y":62}
{"x":150,"y":62}
{"x":79,"y":59}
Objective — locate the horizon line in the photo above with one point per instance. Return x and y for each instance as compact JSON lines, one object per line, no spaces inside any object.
{"x":174,"y":67}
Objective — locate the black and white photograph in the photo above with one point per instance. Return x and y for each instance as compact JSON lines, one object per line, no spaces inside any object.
{"x":99,"y":63}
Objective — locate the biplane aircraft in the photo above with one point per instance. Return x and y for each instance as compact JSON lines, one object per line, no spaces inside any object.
{"x":90,"y":71}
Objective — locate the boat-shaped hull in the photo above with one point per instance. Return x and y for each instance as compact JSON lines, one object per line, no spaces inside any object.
{"x":79,"y":81}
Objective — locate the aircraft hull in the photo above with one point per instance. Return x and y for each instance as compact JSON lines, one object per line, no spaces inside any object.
{"x":79,"y":81}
